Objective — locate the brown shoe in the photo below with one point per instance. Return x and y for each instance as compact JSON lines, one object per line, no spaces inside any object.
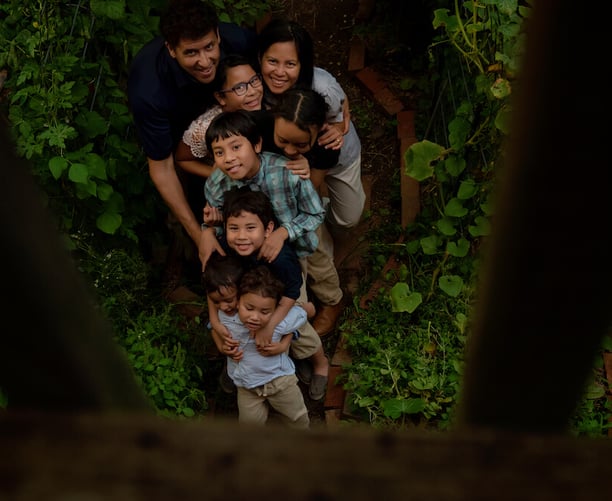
{"x":326,"y":318}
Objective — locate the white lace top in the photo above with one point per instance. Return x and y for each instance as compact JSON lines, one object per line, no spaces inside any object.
{"x":195,"y":135}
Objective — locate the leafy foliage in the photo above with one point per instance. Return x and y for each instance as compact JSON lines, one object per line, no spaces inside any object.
{"x":65,"y":100}
{"x":407,"y":347}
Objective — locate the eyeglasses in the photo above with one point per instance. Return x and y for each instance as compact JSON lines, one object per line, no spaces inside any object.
{"x":241,"y":88}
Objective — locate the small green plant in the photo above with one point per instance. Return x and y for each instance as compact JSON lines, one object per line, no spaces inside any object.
{"x":168,"y":375}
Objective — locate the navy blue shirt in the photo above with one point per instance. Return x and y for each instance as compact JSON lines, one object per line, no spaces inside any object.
{"x":164,"y":98}
{"x":286,"y":267}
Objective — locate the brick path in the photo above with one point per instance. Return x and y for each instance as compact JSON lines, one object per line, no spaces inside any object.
{"x":373,"y":83}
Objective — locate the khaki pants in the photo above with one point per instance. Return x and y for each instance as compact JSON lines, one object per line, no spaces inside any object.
{"x":283,"y":394}
{"x":320,"y":270}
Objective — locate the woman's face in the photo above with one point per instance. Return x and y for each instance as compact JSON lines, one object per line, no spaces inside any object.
{"x":293,"y":140}
{"x":235,"y":81}
{"x":280,"y":66}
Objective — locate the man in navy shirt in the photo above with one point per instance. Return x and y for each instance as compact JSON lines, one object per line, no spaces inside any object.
{"x":170,"y":84}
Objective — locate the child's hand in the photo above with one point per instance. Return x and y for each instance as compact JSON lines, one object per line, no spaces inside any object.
{"x":263,"y":336}
{"x":272,"y":349}
{"x":212,"y":216}
{"x":273,"y":244}
{"x":233,"y":351}
{"x":222,"y":337}
{"x":299,"y":166}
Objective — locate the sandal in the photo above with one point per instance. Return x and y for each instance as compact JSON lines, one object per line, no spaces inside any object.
{"x":318,"y":387}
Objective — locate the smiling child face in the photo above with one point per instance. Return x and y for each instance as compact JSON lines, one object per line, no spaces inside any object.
{"x":245,"y":233}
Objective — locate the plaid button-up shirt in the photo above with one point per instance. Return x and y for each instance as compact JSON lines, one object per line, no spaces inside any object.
{"x":297,"y":205}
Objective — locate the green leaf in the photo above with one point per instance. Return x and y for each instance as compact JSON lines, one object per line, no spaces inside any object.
{"x":420,"y":158}
{"x":96,"y":165}
{"x":56,"y":135}
{"x":454,"y":165}
{"x":395,"y":407}
{"x":113,"y":9}
{"x":458,"y":249}
{"x":467,"y":189}
{"x":594,"y":391}
{"x":454,"y":208}
{"x":57,"y":165}
{"x":446,"y":226}
{"x":451,"y":284}
{"x":458,"y":131}
{"x":78,"y":173}
{"x":105,"y":191}
{"x":109,"y":222}
{"x":413,"y":246}
{"x":430,"y":244}
{"x":482,"y":227}
{"x":92,"y":124}
{"x":403,"y":300}
{"x":442,"y":19}
{"x":502,"y":119}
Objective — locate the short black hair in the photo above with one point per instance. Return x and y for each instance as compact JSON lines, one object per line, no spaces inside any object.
{"x":188,"y":19}
{"x":222,"y":272}
{"x":232,"y":123}
{"x":243,"y":198}
{"x":262,"y":282}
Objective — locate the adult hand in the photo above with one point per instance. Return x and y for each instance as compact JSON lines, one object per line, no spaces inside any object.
{"x":299,"y":166}
{"x":332,"y":136}
{"x":273,"y":244}
{"x":207,"y":245}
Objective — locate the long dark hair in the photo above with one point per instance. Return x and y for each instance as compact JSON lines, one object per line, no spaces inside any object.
{"x":304,"y":107}
{"x":285,"y":30}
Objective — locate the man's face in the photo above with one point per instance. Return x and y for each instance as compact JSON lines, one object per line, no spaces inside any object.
{"x":200,"y":57}
{"x":236,"y":156}
{"x":245,"y":233}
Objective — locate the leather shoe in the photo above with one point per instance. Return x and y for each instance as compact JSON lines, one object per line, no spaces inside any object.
{"x":326,"y":318}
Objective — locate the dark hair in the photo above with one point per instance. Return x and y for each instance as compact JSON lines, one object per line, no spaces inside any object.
{"x":262,"y":282}
{"x":188,"y":19}
{"x":303,"y":107}
{"x":221,"y":271}
{"x":231,"y":61}
{"x":284,"y":30}
{"x":243,"y":198}
{"x":232,"y":123}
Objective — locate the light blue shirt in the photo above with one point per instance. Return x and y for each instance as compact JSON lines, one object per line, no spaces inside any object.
{"x":254,"y":369}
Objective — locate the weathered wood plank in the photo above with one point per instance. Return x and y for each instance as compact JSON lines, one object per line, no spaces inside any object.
{"x":128,"y":457}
